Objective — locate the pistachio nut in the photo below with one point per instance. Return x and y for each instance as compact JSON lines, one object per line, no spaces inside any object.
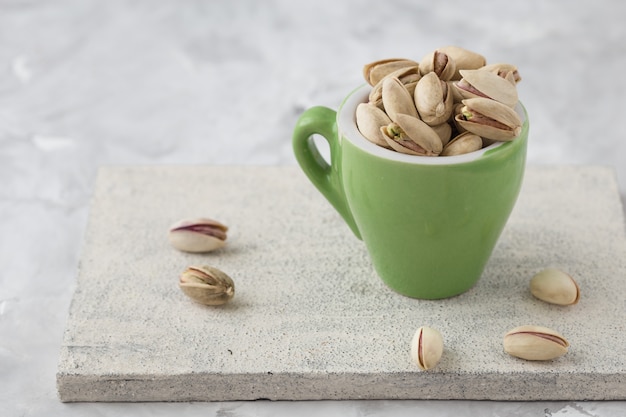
{"x":207,"y":285}
{"x":481,"y":83}
{"x":409,"y":76}
{"x":440,"y":63}
{"x":464,"y":143}
{"x":369,"y":120}
{"x":397,"y":99}
{"x":433,"y":100}
{"x":463,"y":59}
{"x":197,"y":235}
{"x":426,"y":347}
{"x":444,"y":131}
{"x":412,"y":136}
{"x":535,"y":343}
{"x":506,"y":71}
{"x":377,"y":70}
{"x":489,"y":119}
{"x":555,"y":286}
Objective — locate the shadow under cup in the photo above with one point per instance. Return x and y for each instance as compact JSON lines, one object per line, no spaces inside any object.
{"x":429,"y":223}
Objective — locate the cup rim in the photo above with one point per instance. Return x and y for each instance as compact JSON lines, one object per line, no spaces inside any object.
{"x":346,"y":124}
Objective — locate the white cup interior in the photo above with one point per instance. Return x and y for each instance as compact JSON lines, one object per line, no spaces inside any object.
{"x":346,"y":123}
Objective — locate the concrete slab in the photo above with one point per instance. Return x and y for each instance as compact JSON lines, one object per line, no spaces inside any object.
{"x":310,"y":319}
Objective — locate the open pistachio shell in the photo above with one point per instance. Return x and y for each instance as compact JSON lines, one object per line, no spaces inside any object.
{"x":489,"y":119}
{"x":207,"y":285}
{"x":415,"y":131}
{"x":426,"y":347}
{"x":481,"y":83}
{"x":440,"y":63}
{"x":400,"y":142}
{"x":197,"y":235}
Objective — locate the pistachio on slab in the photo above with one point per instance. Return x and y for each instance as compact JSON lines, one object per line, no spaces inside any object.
{"x":426,"y":347}
{"x":555,"y":286}
{"x":207,"y":285}
{"x":535,"y":343}
{"x":197,"y":235}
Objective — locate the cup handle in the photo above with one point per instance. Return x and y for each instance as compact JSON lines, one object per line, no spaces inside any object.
{"x":326,"y":177}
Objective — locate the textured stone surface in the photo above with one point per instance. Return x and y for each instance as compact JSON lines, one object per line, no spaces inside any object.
{"x":310,"y":319}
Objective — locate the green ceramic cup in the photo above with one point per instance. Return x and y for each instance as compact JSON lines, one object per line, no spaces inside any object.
{"x":429,"y":223}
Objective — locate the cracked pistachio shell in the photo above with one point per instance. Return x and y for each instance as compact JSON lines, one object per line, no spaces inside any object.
{"x":555,"y":286}
{"x":412,"y":136}
{"x":377,"y":70}
{"x":506,"y":71}
{"x":535,"y":343}
{"x":440,"y":63}
{"x":207,"y":285}
{"x":464,"y":143}
{"x":463,"y":59}
{"x":409,"y":76}
{"x":369,"y":120}
{"x":489,"y":119}
{"x":397,"y":99}
{"x":481,"y":83}
{"x":197,"y":235}
{"x":433,"y":100}
{"x":426,"y":347}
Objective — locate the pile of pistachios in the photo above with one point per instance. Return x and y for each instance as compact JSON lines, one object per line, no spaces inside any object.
{"x":449,"y":103}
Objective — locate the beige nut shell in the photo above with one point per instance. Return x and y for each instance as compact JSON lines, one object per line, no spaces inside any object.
{"x":555,"y":286}
{"x":426,"y":347}
{"x":535,"y":343}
